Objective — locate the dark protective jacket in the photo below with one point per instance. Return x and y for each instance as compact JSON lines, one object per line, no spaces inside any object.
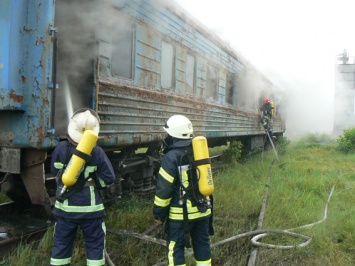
{"x":173,"y":172}
{"x":86,"y":203}
{"x":266,"y":108}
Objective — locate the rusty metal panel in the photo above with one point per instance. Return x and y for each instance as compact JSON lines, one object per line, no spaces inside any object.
{"x":134,"y":111}
{"x":10,"y":160}
{"x":136,"y":115}
{"x":26,"y":72}
{"x":33,"y":176}
{"x":163,"y":18}
{"x":257,"y":142}
{"x":148,"y":57}
{"x":11,"y":84}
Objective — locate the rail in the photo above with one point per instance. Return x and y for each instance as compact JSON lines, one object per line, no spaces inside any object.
{"x":20,"y":224}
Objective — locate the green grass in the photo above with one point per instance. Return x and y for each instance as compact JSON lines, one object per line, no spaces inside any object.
{"x":298,"y":189}
{"x":4,"y":198}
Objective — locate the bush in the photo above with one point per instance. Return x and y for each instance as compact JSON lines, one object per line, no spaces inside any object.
{"x":282,"y":143}
{"x":234,"y":152}
{"x":312,"y":140}
{"x":346,"y":142}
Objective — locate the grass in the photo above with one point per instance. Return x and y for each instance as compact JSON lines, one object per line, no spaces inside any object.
{"x":298,"y":189}
{"x":3,"y":198}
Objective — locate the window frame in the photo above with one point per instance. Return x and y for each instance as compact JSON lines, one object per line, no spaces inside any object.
{"x":132,"y":52}
{"x":164,"y":66}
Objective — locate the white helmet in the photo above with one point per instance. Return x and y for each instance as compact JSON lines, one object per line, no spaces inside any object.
{"x":82,"y":120}
{"x":179,"y":126}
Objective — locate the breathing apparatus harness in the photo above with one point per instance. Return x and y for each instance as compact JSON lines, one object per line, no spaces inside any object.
{"x":62,"y":192}
{"x":192,"y":191}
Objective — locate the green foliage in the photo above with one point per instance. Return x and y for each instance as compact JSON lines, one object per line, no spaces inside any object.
{"x":217,"y":150}
{"x":3,"y":198}
{"x":346,"y":142}
{"x":33,"y":254}
{"x":316,"y":140}
{"x":234,"y":152}
{"x":282,"y":144}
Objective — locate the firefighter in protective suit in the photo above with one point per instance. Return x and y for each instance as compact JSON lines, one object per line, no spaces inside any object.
{"x":83,"y":207}
{"x":175,"y":202}
{"x":266,"y":113}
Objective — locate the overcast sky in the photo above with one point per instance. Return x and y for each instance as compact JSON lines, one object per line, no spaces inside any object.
{"x":294,"y":43}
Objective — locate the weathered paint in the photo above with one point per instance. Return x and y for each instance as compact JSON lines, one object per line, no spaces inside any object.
{"x":33,"y":176}
{"x":26,"y":73}
{"x":9,"y":160}
{"x":131,"y":115}
{"x":134,"y":111}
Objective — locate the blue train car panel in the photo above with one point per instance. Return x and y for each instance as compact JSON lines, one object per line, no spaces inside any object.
{"x":26,"y":73}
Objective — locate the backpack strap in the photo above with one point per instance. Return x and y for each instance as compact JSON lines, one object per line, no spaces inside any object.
{"x":184,"y":192}
{"x":201,"y":162}
{"x":210,"y":224}
{"x":79,"y":184}
{"x":186,"y":224}
{"x":82,"y":155}
{"x":66,"y":160}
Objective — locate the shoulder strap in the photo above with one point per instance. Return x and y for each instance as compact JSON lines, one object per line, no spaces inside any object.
{"x":201,"y":162}
{"x":67,"y":154}
{"x":82,"y":155}
{"x":184,"y":195}
{"x":66,"y":160}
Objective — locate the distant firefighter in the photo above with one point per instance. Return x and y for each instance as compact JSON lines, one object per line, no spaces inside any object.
{"x":266,"y":113}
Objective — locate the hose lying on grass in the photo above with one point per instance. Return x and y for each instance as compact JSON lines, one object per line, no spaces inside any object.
{"x":255,"y":239}
{"x":258,"y":234}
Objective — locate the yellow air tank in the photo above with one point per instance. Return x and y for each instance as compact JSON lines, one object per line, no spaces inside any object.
{"x":204,"y":170}
{"x":76,"y":163}
{"x":273,"y":108}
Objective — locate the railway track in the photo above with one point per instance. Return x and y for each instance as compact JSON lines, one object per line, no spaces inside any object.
{"x":21,"y":224}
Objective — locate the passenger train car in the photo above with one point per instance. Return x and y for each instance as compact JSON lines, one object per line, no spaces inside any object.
{"x":135,"y":62}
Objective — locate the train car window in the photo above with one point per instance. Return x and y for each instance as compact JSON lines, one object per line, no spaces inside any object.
{"x":211,"y":82}
{"x":122,"y":50}
{"x":190,"y":73}
{"x":230,"y":87}
{"x":167,"y":60}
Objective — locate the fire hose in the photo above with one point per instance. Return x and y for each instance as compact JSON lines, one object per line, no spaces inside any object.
{"x":258,"y":234}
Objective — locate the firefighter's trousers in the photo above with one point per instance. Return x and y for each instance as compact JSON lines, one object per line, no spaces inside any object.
{"x":94,"y":232}
{"x":200,"y":241}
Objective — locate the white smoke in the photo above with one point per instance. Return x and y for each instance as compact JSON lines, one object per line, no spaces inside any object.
{"x":294,"y":43}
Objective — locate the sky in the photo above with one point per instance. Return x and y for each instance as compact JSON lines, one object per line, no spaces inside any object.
{"x":294,"y":43}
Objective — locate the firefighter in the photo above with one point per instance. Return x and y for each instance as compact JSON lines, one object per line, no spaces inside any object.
{"x":266,"y":113}
{"x":177,"y":201}
{"x":81,"y":206}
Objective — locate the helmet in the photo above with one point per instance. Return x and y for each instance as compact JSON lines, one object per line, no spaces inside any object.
{"x":266,"y":100}
{"x":179,"y":126}
{"x":82,"y":120}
